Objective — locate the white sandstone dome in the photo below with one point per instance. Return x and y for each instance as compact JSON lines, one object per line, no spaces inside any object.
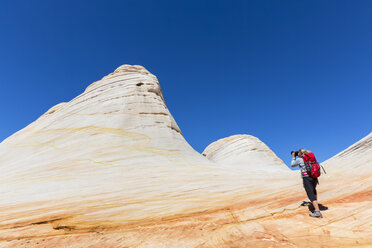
{"x":125,"y":108}
{"x":244,"y":152}
{"x":114,"y":144}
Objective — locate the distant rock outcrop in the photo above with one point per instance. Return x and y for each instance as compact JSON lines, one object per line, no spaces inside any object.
{"x":244,"y":152}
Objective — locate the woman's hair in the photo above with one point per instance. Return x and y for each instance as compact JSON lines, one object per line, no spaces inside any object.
{"x":303,"y":151}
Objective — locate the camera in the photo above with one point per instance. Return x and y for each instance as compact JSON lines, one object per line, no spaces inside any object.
{"x":296,"y":153}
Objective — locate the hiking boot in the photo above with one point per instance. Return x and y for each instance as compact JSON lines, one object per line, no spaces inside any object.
{"x":316,"y":214}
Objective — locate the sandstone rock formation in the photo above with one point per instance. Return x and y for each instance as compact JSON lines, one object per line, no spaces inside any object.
{"x":115,"y":144}
{"x":246,"y":153}
{"x":111,"y":168}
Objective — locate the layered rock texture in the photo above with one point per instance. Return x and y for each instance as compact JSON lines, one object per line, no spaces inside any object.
{"x":244,"y":152}
{"x":111,"y":168}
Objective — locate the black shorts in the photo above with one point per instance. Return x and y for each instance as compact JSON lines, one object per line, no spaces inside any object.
{"x":310,"y":187}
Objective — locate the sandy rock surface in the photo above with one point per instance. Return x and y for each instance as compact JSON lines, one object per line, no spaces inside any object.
{"x":111,"y":168}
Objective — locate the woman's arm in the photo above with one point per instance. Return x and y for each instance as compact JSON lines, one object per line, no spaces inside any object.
{"x":296,"y":162}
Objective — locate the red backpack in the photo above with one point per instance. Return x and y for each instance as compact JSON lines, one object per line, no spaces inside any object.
{"x":312,"y":165}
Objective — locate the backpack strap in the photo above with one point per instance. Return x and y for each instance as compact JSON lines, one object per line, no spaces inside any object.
{"x":323,"y":168}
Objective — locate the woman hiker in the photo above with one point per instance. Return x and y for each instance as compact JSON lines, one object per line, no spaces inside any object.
{"x":308,"y":181}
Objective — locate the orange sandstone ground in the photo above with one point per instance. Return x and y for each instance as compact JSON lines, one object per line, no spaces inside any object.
{"x":225,"y":227}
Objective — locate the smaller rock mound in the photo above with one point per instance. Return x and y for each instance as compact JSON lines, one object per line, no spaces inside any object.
{"x":244,"y":152}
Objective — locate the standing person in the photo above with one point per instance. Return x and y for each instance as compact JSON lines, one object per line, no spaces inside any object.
{"x":308,"y":181}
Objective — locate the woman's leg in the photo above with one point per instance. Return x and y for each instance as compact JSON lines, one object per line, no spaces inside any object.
{"x":315,"y":202}
{"x":316,"y":206}
{"x":309,"y":186}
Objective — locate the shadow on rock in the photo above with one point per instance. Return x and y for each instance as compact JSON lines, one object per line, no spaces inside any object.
{"x":311,"y":207}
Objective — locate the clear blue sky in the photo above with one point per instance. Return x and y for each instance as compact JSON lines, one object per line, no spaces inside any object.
{"x":292,"y":73}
